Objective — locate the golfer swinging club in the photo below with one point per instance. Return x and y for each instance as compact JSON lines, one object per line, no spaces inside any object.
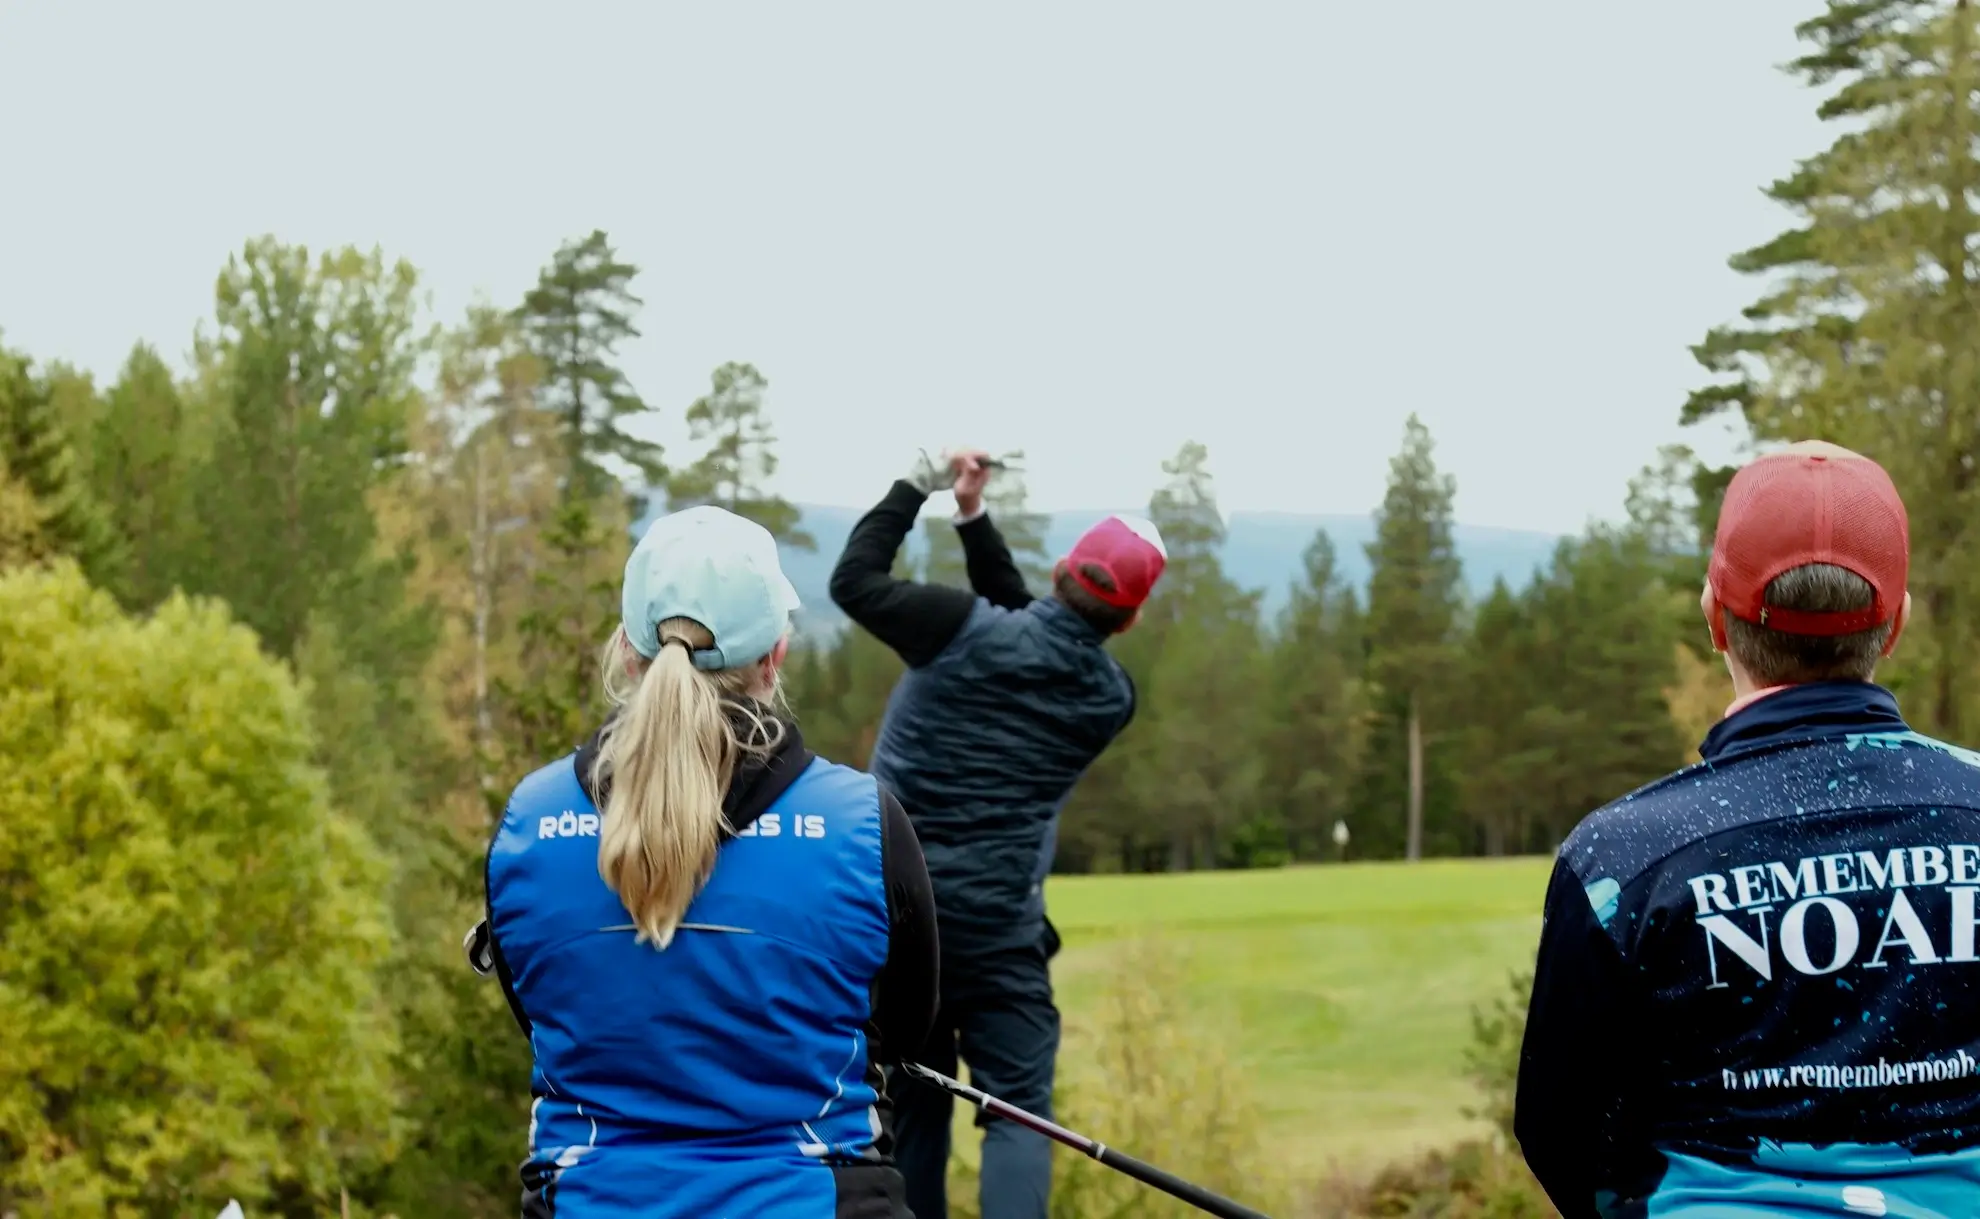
{"x":1007,"y":700}
{"x":1757,"y":985}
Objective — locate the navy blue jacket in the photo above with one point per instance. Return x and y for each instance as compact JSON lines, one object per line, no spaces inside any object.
{"x":736,"y":1072}
{"x":1007,"y":700}
{"x":1757,"y":989}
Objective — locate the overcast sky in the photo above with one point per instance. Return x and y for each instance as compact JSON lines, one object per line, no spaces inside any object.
{"x":1089,"y":230}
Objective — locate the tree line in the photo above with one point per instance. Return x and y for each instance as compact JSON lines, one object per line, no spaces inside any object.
{"x":280,"y":627}
{"x":421,"y":528}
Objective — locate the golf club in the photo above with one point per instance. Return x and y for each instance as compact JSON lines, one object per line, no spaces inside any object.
{"x":1198,"y":1197}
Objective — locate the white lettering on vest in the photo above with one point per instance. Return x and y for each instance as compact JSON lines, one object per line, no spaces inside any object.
{"x":1745,"y":947}
{"x":1910,"y":931}
{"x":1963,"y":922}
{"x":568,"y":824}
{"x":1794,"y":935}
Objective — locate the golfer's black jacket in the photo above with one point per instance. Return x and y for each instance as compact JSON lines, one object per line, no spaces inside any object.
{"x":1007,"y":700}
{"x":1757,"y":990}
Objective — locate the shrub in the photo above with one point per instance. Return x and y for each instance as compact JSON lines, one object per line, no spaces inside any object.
{"x":1480,"y":1180}
{"x":191,"y":938}
{"x":1492,"y":1057}
{"x":1486,"y":1179}
{"x":1150,"y":1074}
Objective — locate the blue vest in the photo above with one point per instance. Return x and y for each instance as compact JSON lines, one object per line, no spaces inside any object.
{"x":983,"y":744}
{"x":723,"y":1075}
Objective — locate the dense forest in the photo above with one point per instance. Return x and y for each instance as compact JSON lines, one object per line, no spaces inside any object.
{"x":279,"y":629}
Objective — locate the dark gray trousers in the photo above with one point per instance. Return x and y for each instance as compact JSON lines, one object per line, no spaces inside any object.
{"x":997,"y":1015}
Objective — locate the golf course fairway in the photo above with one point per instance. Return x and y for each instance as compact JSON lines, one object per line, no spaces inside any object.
{"x":1347,"y":991}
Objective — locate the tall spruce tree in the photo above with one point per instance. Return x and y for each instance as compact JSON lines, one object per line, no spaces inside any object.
{"x":39,"y":456}
{"x":575,"y":318}
{"x":145,"y":448}
{"x":1867,"y":332}
{"x":1194,"y":750}
{"x":1414,"y":597}
{"x":1311,"y":739}
{"x":734,"y":471}
{"x":1504,"y":759}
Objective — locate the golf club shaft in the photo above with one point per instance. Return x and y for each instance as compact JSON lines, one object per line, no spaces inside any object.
{"x":1198,"y":1197}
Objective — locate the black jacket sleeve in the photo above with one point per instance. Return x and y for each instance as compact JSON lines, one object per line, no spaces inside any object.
{"x":905,"y":994}
{"x":993,"y":573}
{"x":916,"y":620}
{"x":1572,"y":1114}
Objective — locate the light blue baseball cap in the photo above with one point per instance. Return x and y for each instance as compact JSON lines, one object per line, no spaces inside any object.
{"x":717,"y":568}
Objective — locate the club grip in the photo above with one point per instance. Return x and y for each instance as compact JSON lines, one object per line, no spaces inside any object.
{"x":1198,"y":1197}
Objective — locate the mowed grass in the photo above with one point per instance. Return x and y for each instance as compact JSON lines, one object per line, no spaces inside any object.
{"x":1346,"y":991}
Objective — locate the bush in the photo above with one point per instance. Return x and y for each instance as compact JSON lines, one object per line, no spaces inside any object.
{"x":191,"y":940}
{"x":1482,"y":1180}
{"x":1153,"y":1077}
{"x":1492,"y":1058}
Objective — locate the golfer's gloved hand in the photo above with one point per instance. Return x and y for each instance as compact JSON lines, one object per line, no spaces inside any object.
{"x":930,"y":474}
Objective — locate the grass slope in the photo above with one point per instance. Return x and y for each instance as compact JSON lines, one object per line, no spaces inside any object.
{"x":1350,"y":988}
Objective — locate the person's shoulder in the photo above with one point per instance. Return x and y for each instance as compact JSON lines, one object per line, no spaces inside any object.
{"x":824,"y":777}
{"x":551,"y":781}
{"x":1935,"y":751}
{"x":1634,"y":830}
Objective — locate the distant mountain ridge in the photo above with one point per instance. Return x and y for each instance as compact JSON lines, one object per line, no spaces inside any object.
{"x":1262,"y":550}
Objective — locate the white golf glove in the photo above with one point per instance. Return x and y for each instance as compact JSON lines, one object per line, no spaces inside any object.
{"x":930,"y":474}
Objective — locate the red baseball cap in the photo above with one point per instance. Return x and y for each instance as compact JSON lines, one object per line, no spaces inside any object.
{"x":1129,"y":550}
{"x":1811,"y":503}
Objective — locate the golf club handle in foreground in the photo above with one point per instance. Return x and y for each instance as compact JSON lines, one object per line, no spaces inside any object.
{"x":1198,"y":1197}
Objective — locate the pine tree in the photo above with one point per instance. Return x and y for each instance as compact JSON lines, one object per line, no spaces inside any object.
{"x":557,"y":699}
{"x":1312,"y":737}
{"x":1413,"y":604}
{"x":735,"y":470}
{"x":1502,"y":688}
{"x":145,"y":448}
{"x":37,"y":455}
{"x":579,"y":312}
{"x":1192,"y":752}
{"x":1868,"y":331}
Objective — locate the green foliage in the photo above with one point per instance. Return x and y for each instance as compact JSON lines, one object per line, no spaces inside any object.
{"x":735,"y":471}
{"x":557,"y":701}
{"x":308,"y":374}
{"x":192,"y":937}
{"x":1866,"y":331}
{"x":37,"y":453}
{"x":1491,"y":1058}
{"x":573,"y":320}
{"x":21,"y":539}
{"x":1483,"y":1179}
{"x":1414,"y":602}
{"x":1471,"y":1181}
{"x":1160,"y":1084}
{"x":146,"y":444}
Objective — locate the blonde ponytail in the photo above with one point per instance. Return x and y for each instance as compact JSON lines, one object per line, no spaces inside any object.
{"x":666,"y":762}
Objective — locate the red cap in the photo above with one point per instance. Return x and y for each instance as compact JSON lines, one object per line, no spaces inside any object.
{"x":1129,"y":549}
{"x":1811,"y":504}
